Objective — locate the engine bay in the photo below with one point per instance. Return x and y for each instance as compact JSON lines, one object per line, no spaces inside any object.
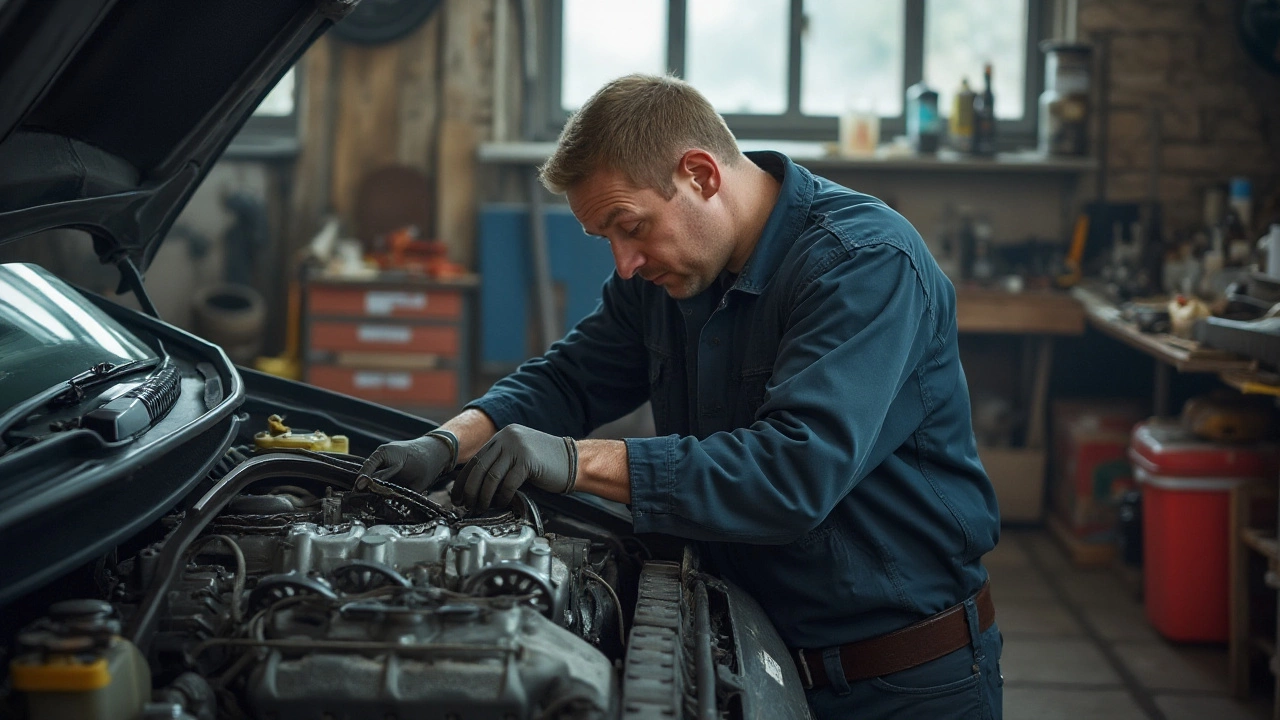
{"x":294,"y":587}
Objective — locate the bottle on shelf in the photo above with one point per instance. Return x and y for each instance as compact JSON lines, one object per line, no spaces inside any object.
{"x":984,"y":117}
{"x":961,"y":120}
{"x":922,"y":118}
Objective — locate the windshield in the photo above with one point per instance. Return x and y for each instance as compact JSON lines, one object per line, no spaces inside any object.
{"x":50,"y":333}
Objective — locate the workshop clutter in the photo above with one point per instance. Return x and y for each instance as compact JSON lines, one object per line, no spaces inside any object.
{"x":1091,"y":466}
{"x":231,"y":315}
{"x":386,"y":316}
{"x":1186,"y":486}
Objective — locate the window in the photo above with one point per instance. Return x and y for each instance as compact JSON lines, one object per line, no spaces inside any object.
{"x":788,"y":68}
{"x":272,"y":130}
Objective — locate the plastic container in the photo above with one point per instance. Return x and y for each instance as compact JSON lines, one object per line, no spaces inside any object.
{"x":924,"y":127}
{"x":1186,"y":486}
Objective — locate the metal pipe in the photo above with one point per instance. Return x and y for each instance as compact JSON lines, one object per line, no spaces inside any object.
{"x":706,"y":670}
{"x":544,"y":293}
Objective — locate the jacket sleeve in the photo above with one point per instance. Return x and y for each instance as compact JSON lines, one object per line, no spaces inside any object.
{"x":856,"y":334}
{"x":595,"y":375}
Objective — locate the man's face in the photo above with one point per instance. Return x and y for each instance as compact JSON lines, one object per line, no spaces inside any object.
{"x":680,"y":244}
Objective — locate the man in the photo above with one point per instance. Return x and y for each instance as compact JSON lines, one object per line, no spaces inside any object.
{"x":798,"y":344}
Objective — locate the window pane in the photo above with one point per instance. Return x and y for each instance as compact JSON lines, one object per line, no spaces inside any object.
{"x":737,"y":54}
{"x":852,"y":56}
{"x":961,"y":35}
{"x":278,"y":102}
{"x":605,"y":39}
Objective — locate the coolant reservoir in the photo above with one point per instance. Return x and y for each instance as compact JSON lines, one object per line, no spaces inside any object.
{"x":279,"y":436}
{"x":74,"y":664}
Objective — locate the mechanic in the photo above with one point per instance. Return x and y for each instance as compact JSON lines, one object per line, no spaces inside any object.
{"x":797,"y":342}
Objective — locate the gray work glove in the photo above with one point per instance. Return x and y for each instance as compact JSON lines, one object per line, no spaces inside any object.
{"x":413,"y":463}
{"x":514,"y":456}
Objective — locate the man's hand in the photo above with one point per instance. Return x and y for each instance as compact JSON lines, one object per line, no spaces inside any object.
{"x":412,"y":463}
{"x":516,"y":454}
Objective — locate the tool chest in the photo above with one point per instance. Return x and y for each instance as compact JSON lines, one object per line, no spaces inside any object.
{"x":397,"y":339}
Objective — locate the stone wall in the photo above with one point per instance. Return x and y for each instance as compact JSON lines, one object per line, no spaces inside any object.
{"x":1219,"y":113}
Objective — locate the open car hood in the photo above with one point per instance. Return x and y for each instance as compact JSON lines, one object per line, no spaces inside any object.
{"x":113,"y":111}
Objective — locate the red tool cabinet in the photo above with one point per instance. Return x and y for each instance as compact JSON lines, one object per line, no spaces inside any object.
{"x":397,"y":339}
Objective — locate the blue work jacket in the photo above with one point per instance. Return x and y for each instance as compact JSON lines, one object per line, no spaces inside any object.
{"x":813,"y":421}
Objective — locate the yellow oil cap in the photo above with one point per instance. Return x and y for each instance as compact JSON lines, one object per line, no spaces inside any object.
{"x":279,"y":436}
{"x":59,"y":673}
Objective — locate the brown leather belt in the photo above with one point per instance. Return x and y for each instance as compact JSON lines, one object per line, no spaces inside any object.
{"x":916,"y":644}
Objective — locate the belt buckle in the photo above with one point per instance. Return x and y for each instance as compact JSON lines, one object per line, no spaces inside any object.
{"x":806,"y":680}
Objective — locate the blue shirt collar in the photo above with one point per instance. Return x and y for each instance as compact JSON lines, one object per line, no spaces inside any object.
{"x":786,"y":222}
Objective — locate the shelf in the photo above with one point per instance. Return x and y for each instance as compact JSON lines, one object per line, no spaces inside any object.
{"x":815,"y":156}
{"x":1254,"y":382}
{"x":1185,"y":356}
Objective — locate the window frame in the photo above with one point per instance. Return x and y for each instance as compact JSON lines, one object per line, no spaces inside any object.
{"x":792,"y":124}
{"x":267,"y":137}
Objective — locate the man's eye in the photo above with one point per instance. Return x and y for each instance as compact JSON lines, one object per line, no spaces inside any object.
{"x":635,"y":230}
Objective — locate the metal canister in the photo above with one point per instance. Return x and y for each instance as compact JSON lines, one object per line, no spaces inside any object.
{"x":1064,"y":104}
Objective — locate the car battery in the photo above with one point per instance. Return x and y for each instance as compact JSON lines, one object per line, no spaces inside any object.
{"x":1186,"y":487}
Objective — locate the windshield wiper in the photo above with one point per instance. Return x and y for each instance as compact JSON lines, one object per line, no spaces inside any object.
{"x":72,"y":391}
{"x":96,"y":375}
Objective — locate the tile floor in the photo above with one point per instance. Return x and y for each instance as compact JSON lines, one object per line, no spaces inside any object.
{"x":1077,"y":645}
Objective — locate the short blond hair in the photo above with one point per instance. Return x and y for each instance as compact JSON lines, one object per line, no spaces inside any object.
{"x":639,"y":125}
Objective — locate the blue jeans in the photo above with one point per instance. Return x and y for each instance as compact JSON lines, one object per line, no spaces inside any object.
{"x":963,"y":685}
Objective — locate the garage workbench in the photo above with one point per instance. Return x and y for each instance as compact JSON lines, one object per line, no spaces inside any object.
{"x":1170,"y":352}
{"x":1038,"y":316}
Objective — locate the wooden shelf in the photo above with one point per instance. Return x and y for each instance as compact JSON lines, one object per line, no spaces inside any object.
{"x":1183,"y":355}
{"x":816,"y":155}
{"x":1255,"y":382}
{"x":1027,"y":313}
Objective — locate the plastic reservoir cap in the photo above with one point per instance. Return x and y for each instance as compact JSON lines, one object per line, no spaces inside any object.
{"x":59,"y":673}
{"x":279,"y":436}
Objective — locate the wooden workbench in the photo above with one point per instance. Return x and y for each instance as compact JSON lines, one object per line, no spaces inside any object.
{"x":1038,"y":317}
{"x":1041,"y":312}
{"x":1171,"y":352}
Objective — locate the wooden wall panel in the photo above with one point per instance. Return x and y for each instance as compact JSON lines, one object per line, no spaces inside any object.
{"x":467,"y":101}
{"x":317,"y":98}
{"x":368,"y":120}
{"x":419,"y":97}
{"x":425,"y":101}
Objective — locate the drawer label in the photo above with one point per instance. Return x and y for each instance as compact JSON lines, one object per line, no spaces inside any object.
{"x":367,"y":380}
{"x":384,"y":302}
{"x":384,"y":334}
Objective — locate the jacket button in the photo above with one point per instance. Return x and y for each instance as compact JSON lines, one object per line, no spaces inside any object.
{"x":715,"y":341}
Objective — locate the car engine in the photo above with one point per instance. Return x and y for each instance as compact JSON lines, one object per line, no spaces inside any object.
{"x":293,"y":587}
{"x":314,"y":594}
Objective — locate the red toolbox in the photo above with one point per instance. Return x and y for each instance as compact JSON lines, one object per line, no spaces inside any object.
{"x":1091,"y":466}
{"x":394,"y":338}
{"x":1186,"y":486}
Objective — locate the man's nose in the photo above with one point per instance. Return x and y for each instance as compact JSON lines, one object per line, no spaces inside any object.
{"x":627,"y":258}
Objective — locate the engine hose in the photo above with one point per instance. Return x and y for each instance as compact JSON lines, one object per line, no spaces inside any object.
{"x":617,"y":604}
{"x":309,"y":465}
{"x":242,"y":572}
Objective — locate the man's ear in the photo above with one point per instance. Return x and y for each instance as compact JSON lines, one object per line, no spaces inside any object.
{"x":701,"y":170}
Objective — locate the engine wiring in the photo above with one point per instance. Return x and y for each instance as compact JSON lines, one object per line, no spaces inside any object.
{"x":617,"y":604}
{"x":241,"y":573}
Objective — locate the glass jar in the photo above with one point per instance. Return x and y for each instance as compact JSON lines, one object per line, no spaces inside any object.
{"x":1064,"y":104}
